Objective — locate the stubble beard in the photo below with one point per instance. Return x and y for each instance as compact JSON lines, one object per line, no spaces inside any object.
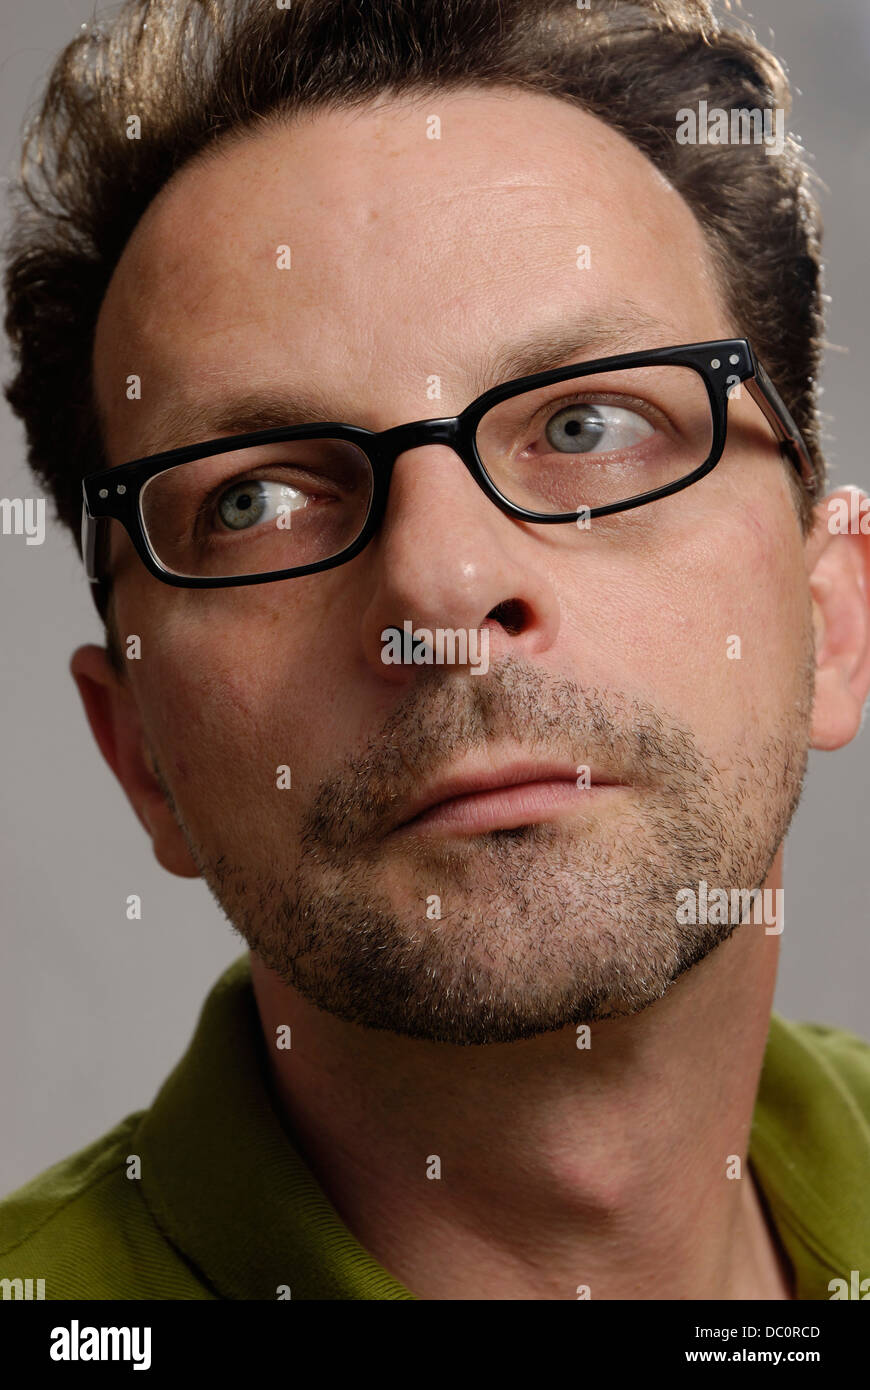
{"x":510,"y":934}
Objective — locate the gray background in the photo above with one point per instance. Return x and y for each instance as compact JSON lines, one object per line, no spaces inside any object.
{"x":95,"y":1010}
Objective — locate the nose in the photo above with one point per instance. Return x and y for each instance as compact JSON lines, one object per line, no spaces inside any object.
{"x":446,"y":558}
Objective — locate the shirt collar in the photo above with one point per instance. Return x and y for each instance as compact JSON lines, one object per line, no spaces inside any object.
{"x":225,"y":1183}
{"x":810,"y":1151}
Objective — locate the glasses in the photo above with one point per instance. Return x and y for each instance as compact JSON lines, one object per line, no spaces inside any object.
{"x":581,"y":441}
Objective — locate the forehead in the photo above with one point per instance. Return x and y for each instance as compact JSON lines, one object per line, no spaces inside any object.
{"x":353,"y":248}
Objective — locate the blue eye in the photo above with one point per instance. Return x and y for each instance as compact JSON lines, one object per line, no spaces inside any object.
{"x":588,"y":428}
{"x":246,"y":504}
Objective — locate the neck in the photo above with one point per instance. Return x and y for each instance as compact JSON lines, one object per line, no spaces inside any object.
{"x":561,"y":1169}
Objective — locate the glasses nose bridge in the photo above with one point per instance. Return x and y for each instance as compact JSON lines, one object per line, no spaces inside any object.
{"x":415,"y":434}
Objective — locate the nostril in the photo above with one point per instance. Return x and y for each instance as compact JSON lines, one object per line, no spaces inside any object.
{"x":511,"y":614}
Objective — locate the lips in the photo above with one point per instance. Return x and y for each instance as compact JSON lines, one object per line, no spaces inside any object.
{"x":476,"y":782}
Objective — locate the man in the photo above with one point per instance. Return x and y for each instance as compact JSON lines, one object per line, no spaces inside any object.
{"x":513,"y":907}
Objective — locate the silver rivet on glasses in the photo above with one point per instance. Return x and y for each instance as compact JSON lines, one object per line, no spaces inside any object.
{"x":715,"y":362}
{"x":120,"y":488}
{"x":734,"y":359}
{"x":104,"y":492}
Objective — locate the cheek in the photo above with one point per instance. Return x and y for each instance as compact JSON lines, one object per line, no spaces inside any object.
{"x":743,"y":600}
{"x":223,"y":700}
{"x":710,"y":625}
{"x":205,"y":721}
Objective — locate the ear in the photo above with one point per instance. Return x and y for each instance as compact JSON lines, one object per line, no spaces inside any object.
{"x":115,"y":723}
{"x":838,"y":564}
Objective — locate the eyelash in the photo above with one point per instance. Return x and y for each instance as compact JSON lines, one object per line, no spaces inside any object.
{"x":645,"y":408}
{"x":207,"y":506}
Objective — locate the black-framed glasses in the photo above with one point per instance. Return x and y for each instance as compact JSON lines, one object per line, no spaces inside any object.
{"x":585,"y":441}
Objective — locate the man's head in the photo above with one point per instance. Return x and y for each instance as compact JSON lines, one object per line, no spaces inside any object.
{"x":416,"y":259}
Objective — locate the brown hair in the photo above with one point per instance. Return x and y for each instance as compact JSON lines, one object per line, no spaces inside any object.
{"x":192,"y":70}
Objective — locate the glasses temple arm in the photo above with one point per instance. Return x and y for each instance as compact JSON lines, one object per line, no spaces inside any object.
{"x":94,"y":541}
{"x":766,"y":396}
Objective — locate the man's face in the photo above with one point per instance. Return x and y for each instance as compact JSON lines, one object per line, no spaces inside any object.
{"x":611,"y":648}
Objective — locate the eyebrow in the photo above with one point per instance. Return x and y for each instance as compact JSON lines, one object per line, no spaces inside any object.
{"x":551,"y":345}
{"x":545,"y":347}
{"x":187,"y":422}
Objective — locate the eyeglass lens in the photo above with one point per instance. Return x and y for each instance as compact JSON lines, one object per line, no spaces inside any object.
{"x":582,"y":443}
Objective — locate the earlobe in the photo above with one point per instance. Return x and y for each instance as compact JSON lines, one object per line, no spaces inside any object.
{"x":115,"y":723}
{"x":839,"y":581}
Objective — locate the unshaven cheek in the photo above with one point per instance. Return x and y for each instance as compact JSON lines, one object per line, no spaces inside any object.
{"x":745,"y":636}
{"x":708,"y":623}
{"x":234,"y":713}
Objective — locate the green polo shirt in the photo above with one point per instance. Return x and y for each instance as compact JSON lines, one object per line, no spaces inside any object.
{"x":225,"y":1207}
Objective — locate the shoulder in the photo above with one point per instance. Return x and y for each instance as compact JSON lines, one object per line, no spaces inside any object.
{"x":845,"y":1053}
{"x":808,"y":1061}
{"x":82,"y":1227}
